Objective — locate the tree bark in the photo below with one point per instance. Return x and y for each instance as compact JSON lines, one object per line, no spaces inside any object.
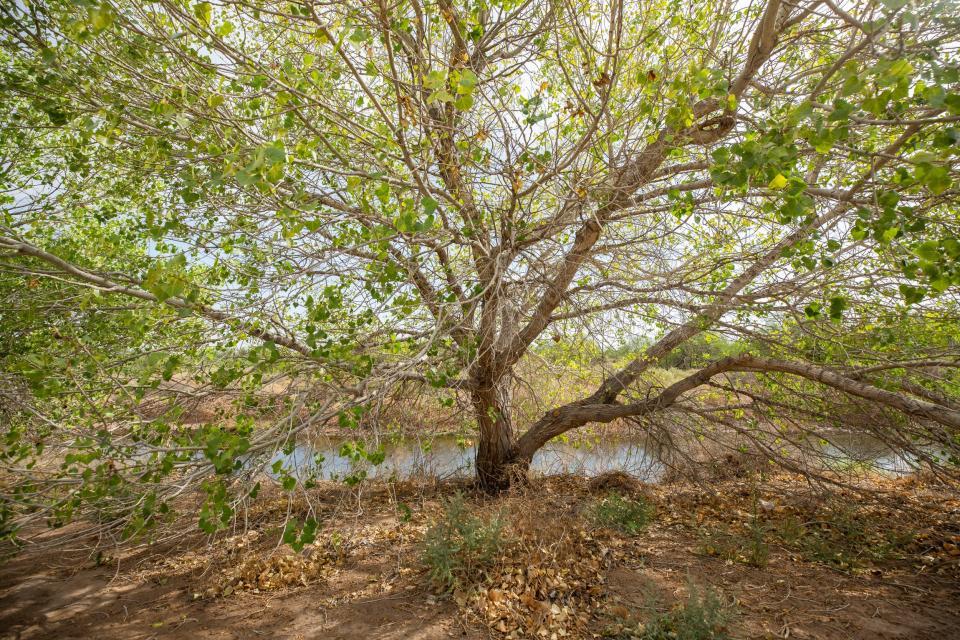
{"x":495,"y":451}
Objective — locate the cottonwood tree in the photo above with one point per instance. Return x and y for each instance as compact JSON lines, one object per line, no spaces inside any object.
{"x":366,"y":195}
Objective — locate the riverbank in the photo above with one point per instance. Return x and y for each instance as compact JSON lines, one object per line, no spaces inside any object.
{"x":775,"y":556}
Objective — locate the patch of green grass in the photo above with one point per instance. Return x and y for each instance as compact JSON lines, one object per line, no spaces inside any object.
{"x":750,"y":548}
{"x":703,"y":616}
{"x":844,"y":538}
{"x":790,"y":531}
{"x":841,"y":537}
{"x":627,"y":515}
{"x":460,"y":545}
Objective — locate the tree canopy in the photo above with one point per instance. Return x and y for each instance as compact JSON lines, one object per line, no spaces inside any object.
{"x":346,"y":197}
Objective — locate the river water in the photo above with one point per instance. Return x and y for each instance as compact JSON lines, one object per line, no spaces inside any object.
{"x":450,"y":457}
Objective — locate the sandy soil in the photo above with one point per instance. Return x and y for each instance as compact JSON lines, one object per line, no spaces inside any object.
{"x":370,"y":584}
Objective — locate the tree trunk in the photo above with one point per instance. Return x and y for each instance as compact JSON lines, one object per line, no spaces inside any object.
{"x":496,"y":456}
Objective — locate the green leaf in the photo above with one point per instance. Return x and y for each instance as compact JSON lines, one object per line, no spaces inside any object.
{"x":889,"y":234}
{"x":275,"y":152}
{"x":937,"y":179}
{"x":203,"y":12}
{"x":434,"y":80}
{"x":359,"y":35}
{"x":841,"y":112}
{"x":952,"y":247}
{"x":441,"y":95}
{"x":383,"y":193}
{"x":429,"y":205}
{"x":898,"y":70}
{"x":468,"y":81}
{"x":800,"y":113}
{"x":837,"y":306}
{"x":166,"y":280}
{"x":57,"y":116}
{"x":290,"y":532}
{"x":939,"y":284}
{"x":101,"y":18}
{"x":953,"y":103}
{"x":911,"y":295}
{"x":929,"y":250}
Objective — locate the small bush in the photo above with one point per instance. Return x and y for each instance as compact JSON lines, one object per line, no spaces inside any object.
{"x":460,"y":545}
{"x":623,"y":514}
{"x":702,"y":617}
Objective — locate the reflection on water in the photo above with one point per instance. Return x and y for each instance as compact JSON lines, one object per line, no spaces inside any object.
{"x":845,"y":451}
{"x":448,"y":456}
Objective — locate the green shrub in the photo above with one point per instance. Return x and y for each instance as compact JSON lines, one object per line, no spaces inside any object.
{"x":460,"y":545}
{"x":623,"y":514}
{"x":702,"y":617}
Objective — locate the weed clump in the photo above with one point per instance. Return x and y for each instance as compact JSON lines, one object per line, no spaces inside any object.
{"x":626,"y":515}
{"x":844,"y":539}
{"x":750,"y":548}
{"x":838,"y":536}
{"x":460,"y":545}
{"x":703,"y":616}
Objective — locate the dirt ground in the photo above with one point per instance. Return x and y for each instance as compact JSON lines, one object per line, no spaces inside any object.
{"x":364,"y":578}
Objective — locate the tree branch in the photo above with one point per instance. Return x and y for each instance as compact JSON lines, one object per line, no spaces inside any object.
{"x":572,"y":416}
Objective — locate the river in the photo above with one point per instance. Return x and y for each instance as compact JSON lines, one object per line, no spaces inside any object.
{"x":449,"y":457}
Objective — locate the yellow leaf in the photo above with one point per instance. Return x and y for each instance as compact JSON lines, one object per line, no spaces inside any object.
{"x":778,"y":182}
